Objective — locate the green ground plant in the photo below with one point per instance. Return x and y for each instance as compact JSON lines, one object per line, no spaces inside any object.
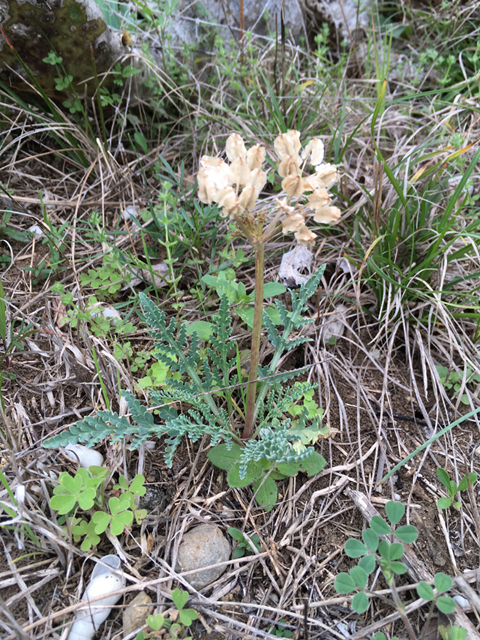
{"x":244,"y":546}
{"x":454,"y":381}
{"x":174,"y":621}
{"x":271,"y":446}
{"x":379,"y":548}
{"x":85,"y":493}
{"x":452,"y":488}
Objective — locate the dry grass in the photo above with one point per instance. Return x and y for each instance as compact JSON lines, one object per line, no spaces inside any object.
{"x":378,"y":385}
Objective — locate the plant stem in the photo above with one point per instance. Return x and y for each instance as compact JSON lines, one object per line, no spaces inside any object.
{"x":256,"y":334}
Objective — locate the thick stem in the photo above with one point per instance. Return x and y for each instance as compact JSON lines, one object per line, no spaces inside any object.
{"x":256,"y":335}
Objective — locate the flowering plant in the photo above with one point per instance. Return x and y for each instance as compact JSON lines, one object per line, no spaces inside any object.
{"x":235,"y":187}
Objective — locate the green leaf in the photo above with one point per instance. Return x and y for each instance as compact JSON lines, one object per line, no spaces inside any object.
{"x":271,"y":289}
{"x":446,"y":604}
{"x":180,"y":598}
{"x":457,"y":633}
{"x":398,"y":567}
{"x":396,"y":551}
{"x":367,"y":563}
{"x":442,"y":582}
{"x":120,"y":521}
{"x":137,"y":485}
{"x":379,"y":525}
{"x":239,"y":552}
{"x":371,"y":539}
{"x":444,"y":478}
{"x":313,"y":464}
{"x":360,"y":602}
{"x":360,"y":576}
{"x":266,"y":493}
{"x":425,"y":591}
{"x":236,"y":534}
{"x":86,"y":499}
{"x":63,"y":504}
{"x":288,"y":469}
{"x":344,"y":583}
{"x":408,"y":533}
{"x":254,"y":471}
{"x":187,"y":616}
{"x":101,"y":520}
{"x":155,"y":622}
{"x":444,"y":503}
{"x":354,"y":548}
{"x":384,"y":549}
{"x":202,"y":328}
{"x":141,"y":141}
{"x":225,"y":458}
{"x":395,"y":511}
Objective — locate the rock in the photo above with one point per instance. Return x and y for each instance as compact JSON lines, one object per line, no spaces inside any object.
{"x":203,"y":546}
{"x":136,"y":613}
{"x":154,"y":499}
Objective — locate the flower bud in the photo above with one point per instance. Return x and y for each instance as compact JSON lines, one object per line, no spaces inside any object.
{"x":293,"y":186}
{"x":235,"y":147}
{"x":255,"y":157}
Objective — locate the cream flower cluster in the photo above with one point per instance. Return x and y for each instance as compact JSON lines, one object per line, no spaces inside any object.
{"x":235,"y":187}
{"x":292,"y":161}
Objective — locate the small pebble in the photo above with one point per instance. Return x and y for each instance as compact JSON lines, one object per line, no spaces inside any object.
{"x":136,"y":613}
{"x":201,"y":547}
{"x":462,"y":602}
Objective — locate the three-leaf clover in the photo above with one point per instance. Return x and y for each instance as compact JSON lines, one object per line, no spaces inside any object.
{"x":187,"y":616}
{"x":73,"y":491}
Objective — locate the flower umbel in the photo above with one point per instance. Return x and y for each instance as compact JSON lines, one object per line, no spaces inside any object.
{"x":235,"y":187}
{"x":291,"y":164}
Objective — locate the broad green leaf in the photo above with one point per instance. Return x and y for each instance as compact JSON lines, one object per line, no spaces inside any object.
{"x":371,"y":539}
{"x":120,"y":521}
{"x":398,"y":567}
{"x":238,"y":552}
{"x":180,"y":598}
{"x":384,"y":549}
{"x":367,"y":563}
{"x":313,"y":464}
{"x":137,"y":485}
{"x":379,"y":525}
{"x":395,"y":511}
{"x":360,"y":602}
{"x":155,"y":622}
{"x":86,"y":499}
{"x":442,"y":582}
{"x":396,"y":551}
{"x":271,"y":289}
{"x":63,"y":504}
{"x":254,"y":471}
{"x":288,"y":468}
{"x":101,"y":520}
{"x":457,"y":633}
{"x":187,"y":616}
{"x":266,"y":493}
{"x":444,"y":503}
{"x":224,"y":458}
{"x":446,"y":604}
{"x":354,"y":548}
{"x":444,"y":478}
{"x":360,"y":576}
{"x":425,"y":591}
{"x":408,"y":533}
{"x":344,"y":583}
{"x":236,"y":534}
{"x":202,"y":328}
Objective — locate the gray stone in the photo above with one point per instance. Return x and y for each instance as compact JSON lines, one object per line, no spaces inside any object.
{"x":203,"y":546}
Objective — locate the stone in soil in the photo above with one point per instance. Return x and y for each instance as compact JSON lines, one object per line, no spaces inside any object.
{"x":203,"y":546}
